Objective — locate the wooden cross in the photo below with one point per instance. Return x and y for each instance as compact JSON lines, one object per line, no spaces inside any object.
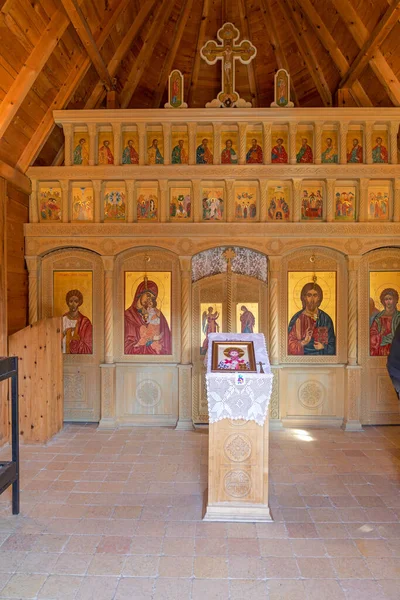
{"x":228,"y":52}
{"x":229,"y":255}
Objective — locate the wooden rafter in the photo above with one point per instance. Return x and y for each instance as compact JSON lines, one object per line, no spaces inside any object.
{"x":194,"y":76}
{"x":272,"y":32}
{"x":304,"y":46}
{"x":77,"y":72}
{"x":169,"y":61}
{"x":85,"y":35}
{"x":331,"y":47}
{"x":378,"y":63}
{"x":244,"y":25}
{"x":381,"y":31}
{"x":98,"y":93}
{"x":150,"y":43}
{"x":31,"y":69}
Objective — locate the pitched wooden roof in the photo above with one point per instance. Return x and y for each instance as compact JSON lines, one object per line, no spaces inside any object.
{"x":70,"y":53}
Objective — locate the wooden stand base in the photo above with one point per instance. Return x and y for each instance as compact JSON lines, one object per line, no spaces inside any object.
{"x":237,"y":472}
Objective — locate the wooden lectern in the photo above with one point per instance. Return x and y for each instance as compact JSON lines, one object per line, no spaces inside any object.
{"x":238,"y":447}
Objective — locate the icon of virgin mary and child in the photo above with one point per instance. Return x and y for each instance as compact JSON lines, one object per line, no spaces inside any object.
{"x":146,"y":328}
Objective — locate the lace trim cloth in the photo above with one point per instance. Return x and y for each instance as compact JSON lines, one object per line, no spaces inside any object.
{"x":248,"y":401}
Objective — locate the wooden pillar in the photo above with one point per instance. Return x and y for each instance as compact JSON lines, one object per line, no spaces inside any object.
{"x":292,"y":142}
{"x":93,"y":153}
{"x":4,"y":406}
{"x":263,"y":200}
{"x":65,"y":206}
{"x":230,"y":200}
{"x":196,"y":203}
{"x":142,"y":143}
{"x":117,"y":143}
{"x":297,"y":186}
{"x":33,"y":265}
{"x":317,"y":143}
{"x":185,"y":368}
{"x":167,"y":143}
{"x":267,"y":133}
{"x":396,"y":200}
{"x":130,"y":201}
{"x":68,"y":143}
{"x":363,"y":200}
{"x":107,"y":370}
{"x":192,"y":129}
{"x":368,"y":143}
{"x":330,"y":204}
{"x":344,"y":128}
{"x":33,"y":203}
{"x":163,"y":191}
{"x":394,"y":129}
{"x":97,"y":200}
{"x":274,"y":274}
{"x":242,"y":143}
{"x":353,"y":371}
{"x":217,"y":143}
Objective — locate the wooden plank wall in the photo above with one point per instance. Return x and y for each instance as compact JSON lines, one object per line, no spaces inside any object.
{"x":13,"y":279}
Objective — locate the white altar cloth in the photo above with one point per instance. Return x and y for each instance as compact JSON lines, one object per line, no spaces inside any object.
{"x":249,"y":400}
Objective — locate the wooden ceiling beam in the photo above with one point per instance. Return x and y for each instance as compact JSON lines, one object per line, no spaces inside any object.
{"x":272,"y":32}
{"x":98,"y":93}
{"x":331,"y":47}
{"x":378,"y":63}
{"x":149,"y":44}
{"x":294,"y":20}
{"x":244,"y":25}
{"x":381,"y":31}
{"x":85,"y":35}
{"x":170,"y":58}
{"x":32,"y":68}
{"x":21,"y":181}
{"x":194,"y":76}
{"x":78,"y":70}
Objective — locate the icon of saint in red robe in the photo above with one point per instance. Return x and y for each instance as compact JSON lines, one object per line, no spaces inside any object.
{"x":384,"y":324}
{"x":77,"y":329}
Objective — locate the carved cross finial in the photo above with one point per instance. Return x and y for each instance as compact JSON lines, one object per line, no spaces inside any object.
{"x":228,"y":52}
{"x":229,"y":255}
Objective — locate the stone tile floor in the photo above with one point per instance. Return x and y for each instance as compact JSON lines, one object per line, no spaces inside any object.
{"x":117,"y":515}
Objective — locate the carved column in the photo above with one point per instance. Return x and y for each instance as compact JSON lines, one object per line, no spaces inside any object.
{"x":242,"y":143}
{"x":263,"y":200}
{"x":368,"y":143}
{"x":364,"y":200}
{"x":394,"y":129}
{"x":274,"y":274}
{"x":292,"y":142}
{"x":34,"y":201}
{"x":97,"y":208}
{"x":267,"y":133}
{"x":65,"y":206}
{"x":68,"y":143}
{"x":33,"y":264}
{"x":330,"y":204}
{"x":93,"y":154}
{"x":142,"y":143}
{"x":185,"y":368}
{"x":167,"y":143}
{"x":108,"y":262}
{"x":230,"y":200}
{"x":130,"y":201}
{"x":318,"y":143}
{"x":344,"y":128}
{"x":297,"y":186}
{"x":117,"y":143}
{"x":217,"y":143}
{"x":196,"y":203}
{"x":396,"y":201}
{"x":351,"y":420}
{"x":192,"y":129}
{"x":163,"y":208}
